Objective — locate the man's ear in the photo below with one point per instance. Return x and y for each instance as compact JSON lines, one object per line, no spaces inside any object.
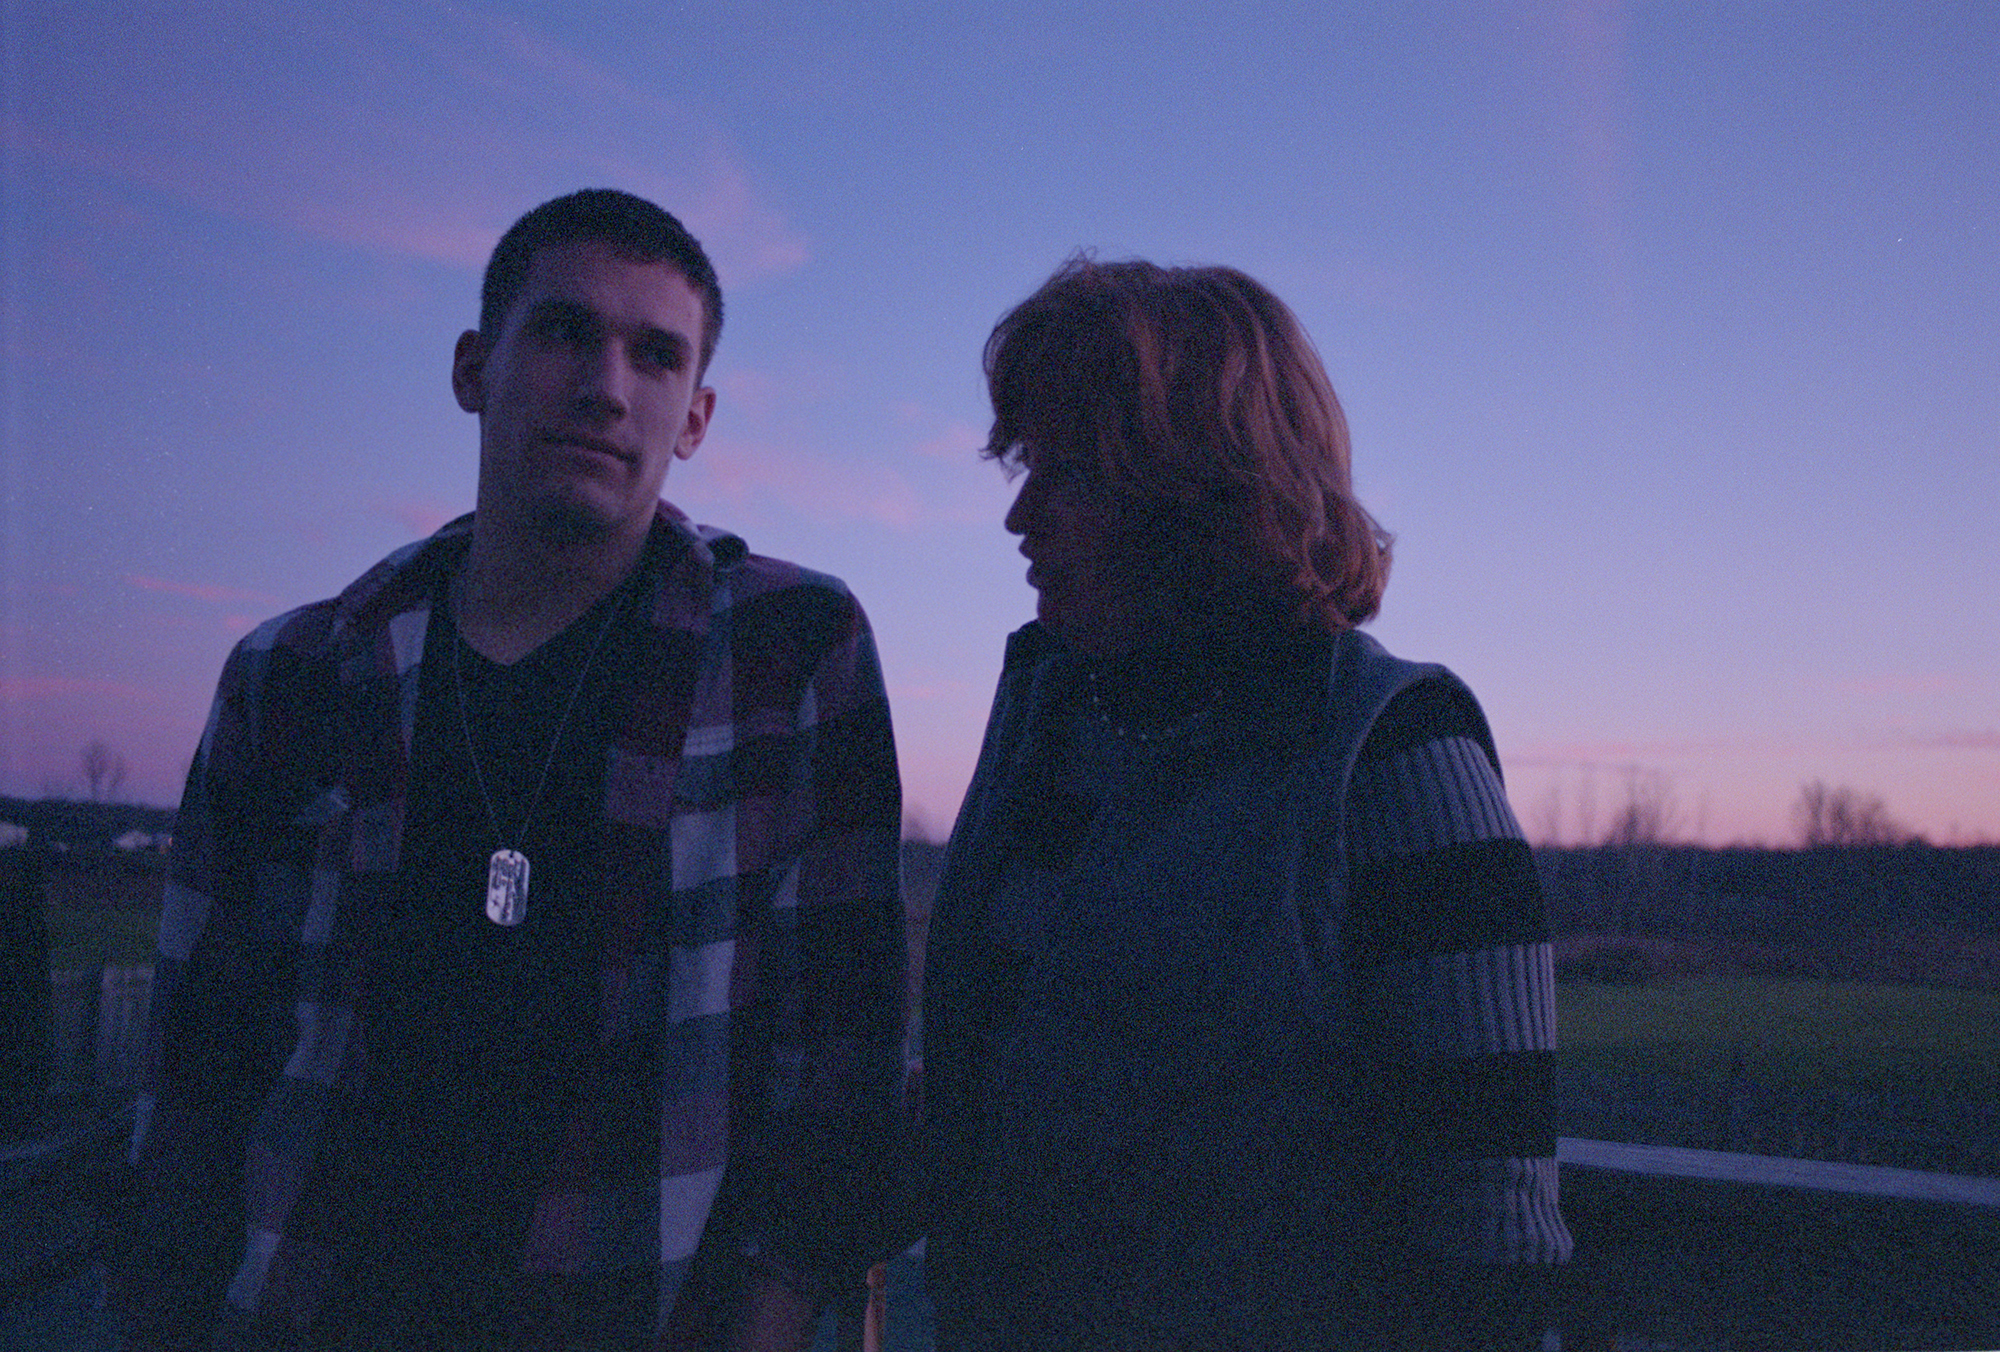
{"x":468,"y":371}
{"x":700,"y":409}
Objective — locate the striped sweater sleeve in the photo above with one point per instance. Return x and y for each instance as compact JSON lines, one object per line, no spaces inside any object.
{"x":1448,"y":938}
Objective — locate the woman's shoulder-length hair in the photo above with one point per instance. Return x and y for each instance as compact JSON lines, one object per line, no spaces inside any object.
{"x":1195,"y":392}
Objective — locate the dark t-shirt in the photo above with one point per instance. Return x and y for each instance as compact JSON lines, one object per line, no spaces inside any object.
{"x":479,"y":1036}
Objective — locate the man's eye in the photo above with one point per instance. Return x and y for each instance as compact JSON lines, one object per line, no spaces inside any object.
{"x":659,"y":356}
{"x":563,"y":328}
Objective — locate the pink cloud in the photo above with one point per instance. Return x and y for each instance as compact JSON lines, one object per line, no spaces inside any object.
{"x":1907,"y":685}
{"x":958,"y":441}
{"x":946,"y":689}
{"x":1971,"y":740}
{"x":1371,"y":283}
{"x":419,"y":519}
{"x":743,"y":391}
{"x":1570,"y":114}
{"x":200,"y":591}
{"x":751,"y":237}
{"x":426,"y":128}
{"x":812,"y":484}
{"x":1619,"y":756}
{"x":14,"y":688}
{"x":1596,"y":39}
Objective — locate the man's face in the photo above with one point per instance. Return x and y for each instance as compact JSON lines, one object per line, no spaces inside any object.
{"x":588,"y":392}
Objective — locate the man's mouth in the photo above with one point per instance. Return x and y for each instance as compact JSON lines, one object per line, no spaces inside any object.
{"x":594,"y":445}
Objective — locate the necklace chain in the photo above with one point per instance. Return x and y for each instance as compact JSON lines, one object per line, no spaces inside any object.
{"x":1120,"y":728}
{"x":460,"y":643}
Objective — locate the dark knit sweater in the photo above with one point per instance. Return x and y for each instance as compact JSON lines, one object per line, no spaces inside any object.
{"x":1240,"y":1012}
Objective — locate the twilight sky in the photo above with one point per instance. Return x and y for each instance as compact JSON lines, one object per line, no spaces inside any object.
{"x":1669,"y":335}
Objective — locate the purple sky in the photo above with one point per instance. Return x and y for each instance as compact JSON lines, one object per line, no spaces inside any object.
{"x":1670,"y":336}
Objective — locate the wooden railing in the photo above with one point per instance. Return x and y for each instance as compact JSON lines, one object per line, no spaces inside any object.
{"x":1716,"y":1166}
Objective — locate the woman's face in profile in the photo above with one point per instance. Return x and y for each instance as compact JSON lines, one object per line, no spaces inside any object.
{"x":1092,"y":559}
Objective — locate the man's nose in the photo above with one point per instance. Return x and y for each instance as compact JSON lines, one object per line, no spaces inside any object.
{"x":603,"y":382}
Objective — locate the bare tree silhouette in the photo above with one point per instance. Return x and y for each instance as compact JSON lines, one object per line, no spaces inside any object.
{"x":1649,"y":815}
{"x":103,"y":770}
{"x":1842,"y":816}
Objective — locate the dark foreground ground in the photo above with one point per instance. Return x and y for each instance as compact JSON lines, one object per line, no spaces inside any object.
{"x":1664,"y":1265}
{"x":1675,"y":1264}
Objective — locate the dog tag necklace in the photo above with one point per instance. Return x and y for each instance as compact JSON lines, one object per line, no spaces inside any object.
{"x":507,"y":868}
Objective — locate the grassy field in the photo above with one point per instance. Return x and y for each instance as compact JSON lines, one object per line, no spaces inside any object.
{"x":1821,"y":1035}
{"x":1787,"y":1032}
{"x":103,"y":910}
{"x":118,"y":938}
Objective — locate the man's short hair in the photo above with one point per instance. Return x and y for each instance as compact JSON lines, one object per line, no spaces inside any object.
{"x":632,"y":226}
{"x":1195,"y":394}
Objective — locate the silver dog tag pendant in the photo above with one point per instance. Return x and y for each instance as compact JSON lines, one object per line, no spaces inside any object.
{"x":507,"y":887}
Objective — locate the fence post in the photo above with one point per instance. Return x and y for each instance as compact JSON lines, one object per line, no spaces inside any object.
{"x":123,"y":997}
{"x":75,"y":999}
{"x":26,"y":1002}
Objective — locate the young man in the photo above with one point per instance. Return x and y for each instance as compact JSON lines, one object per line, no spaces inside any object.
{"x":533,"y":933}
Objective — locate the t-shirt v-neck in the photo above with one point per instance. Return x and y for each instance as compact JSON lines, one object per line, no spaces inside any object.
{"x":482,"y":1040}
{"x":478,"y":1031}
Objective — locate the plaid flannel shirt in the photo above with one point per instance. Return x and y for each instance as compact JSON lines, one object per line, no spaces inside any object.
{"x":753,"y":935}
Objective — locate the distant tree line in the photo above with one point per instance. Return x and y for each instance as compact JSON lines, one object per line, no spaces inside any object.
{"x":1858,"y":872}
{"x":80,"y":825}
{"x":1824,"y":896}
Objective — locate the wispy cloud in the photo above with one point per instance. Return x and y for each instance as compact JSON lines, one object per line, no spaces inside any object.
{"x":958,"y":442}
{"x":14,"y":689}
{"x":1987,"y":739}
{"x":1596,"y":33}
{"x":1616,"y":756}
{"x":1620,"y":756}
{"x":415,"y":128}
{"x":1907,"y":685}
{"x":1367,"y":282}
{"x":812,"y":484}
{"x":1571,"y":115}
{"x":931,"y":690}
{"x":418,"y":518}
{"x":202,"y":591}
{"x":897,"y":486}
{"x":747,"y":393}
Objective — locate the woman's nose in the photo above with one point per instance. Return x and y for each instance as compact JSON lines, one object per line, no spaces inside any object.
{"x":1022,"y":512}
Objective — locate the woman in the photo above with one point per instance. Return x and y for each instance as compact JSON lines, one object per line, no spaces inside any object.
{"x":1240,"y":1005}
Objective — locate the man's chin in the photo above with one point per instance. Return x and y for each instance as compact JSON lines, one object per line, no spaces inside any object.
{"x":578,"y":518}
